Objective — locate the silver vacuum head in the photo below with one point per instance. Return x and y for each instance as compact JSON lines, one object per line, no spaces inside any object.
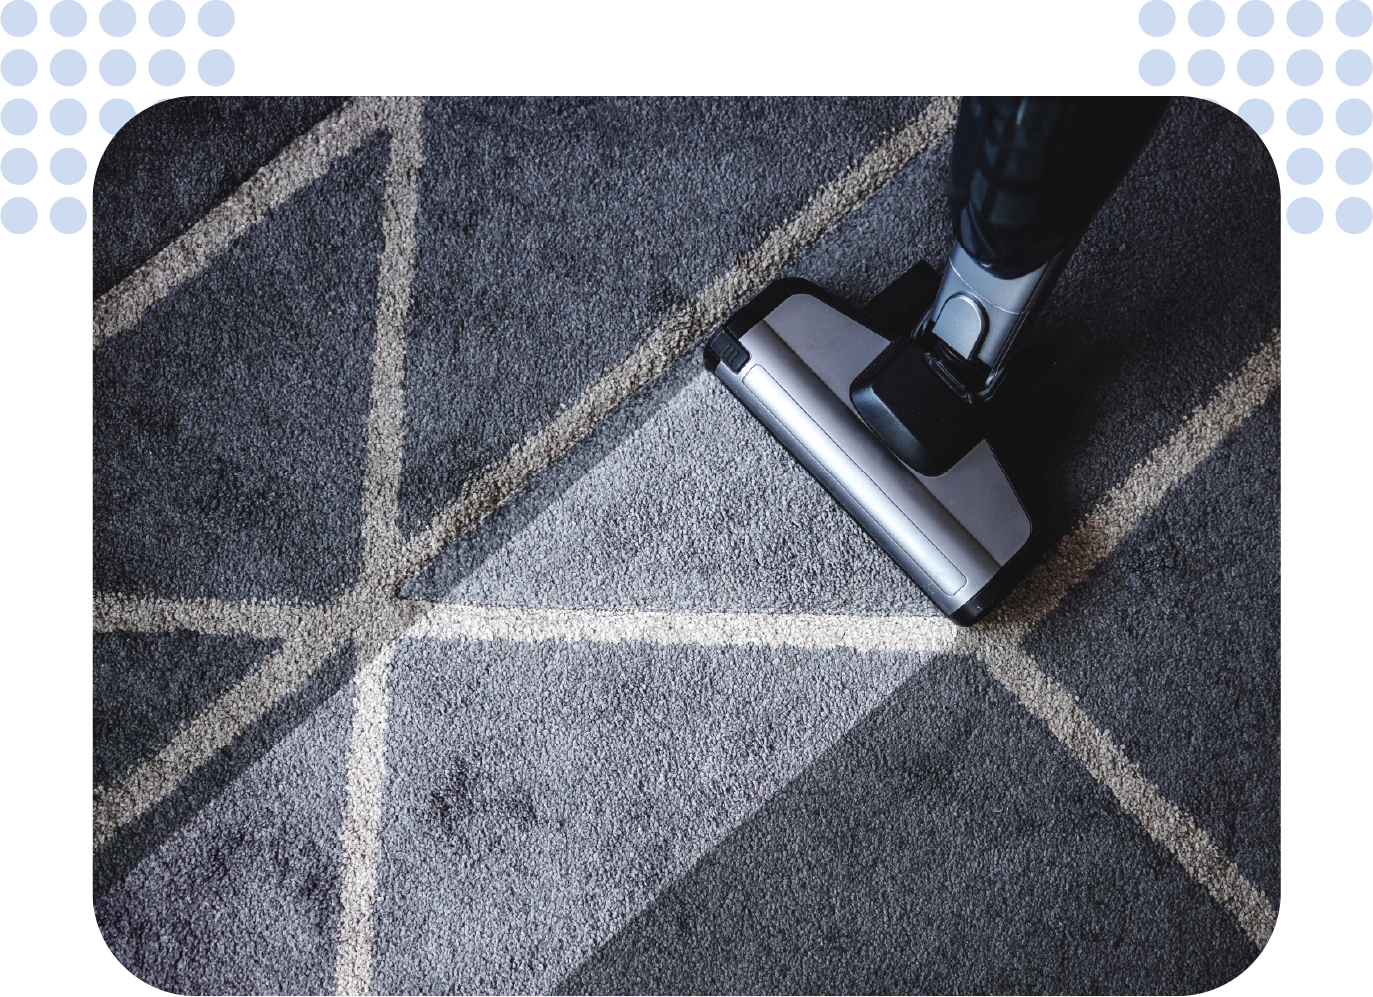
{"x":963,"y":535}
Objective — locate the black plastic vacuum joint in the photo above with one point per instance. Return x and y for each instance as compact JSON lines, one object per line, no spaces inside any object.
{"x":729,"y":351}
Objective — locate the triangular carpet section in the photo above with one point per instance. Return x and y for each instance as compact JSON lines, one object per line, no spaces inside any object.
{"x":700,"y":509}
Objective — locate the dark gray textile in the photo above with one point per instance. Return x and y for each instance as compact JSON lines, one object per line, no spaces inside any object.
{"x":180,"y":159}
{"x":636,"y":817}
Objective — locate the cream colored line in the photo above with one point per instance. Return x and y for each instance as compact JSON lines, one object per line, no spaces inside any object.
{"x":441,"y":621}
{"x":1127,"y":503}
{"x":361,"y":831}
{"x":1106,"y":760}
{"x":307,"y":158}
{"x":262,"y":688}
{"x":386,"y":420}
{"x":208,"y":616}
{"x":998,"y":640}
{"x":683,"y":327}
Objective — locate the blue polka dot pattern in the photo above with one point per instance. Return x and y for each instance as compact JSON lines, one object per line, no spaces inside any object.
{"x":166,"y":68}
{"x":18,"y":215}
{"x":1255,"y":67}
{"x":1304,"y":18}
{"x":18,"y":116}
{"x":1156,"y":18}
{"x":1206,"y":68}
{"x":68,"y":166}
{"x":1354,"y":67}
{"x":68,"y":18}
{"x":1304,"y":166}
{"x":1156,"y":67}
{"x":1255,"y":18}
{"x":1354,"y":18}
{"x":1354,"y":215}
{"x":18,"y":68}
{"x":1305,"y":68}
{"x":216,"y":18}
{"x":1206,"y":18}
{"x":1353,"y":166}
{"x":117,"y":67}
{"x":1354,"y":116}
{"x":68,"y":67}
{"x":115,"y":114}
{"x":1257,"y":114}
{"x":166,"y":18}
{"x":68,"y":215}
{"x":68,"y":116}
{"x":18,"y":18}
{"x":117,"y":18}
{"x":18,"y":166}
{"x":1304,"y":215}
{"x":1305,"y":116}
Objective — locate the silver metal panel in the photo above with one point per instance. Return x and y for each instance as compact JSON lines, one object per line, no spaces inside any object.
{"x":975,"y":490}
{"x":892,"y":515}
{"x":886,"y":498}
{"x":952,"y":532}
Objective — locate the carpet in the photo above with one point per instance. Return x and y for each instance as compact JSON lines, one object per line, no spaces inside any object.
{"x":456,"y":632}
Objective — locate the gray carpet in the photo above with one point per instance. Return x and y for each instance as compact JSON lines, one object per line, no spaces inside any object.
{"x":679,"y":815}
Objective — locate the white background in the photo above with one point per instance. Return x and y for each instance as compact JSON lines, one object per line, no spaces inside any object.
{"x":299,"y":47}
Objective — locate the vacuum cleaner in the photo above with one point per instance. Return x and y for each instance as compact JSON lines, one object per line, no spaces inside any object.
{"x":891,"y":406}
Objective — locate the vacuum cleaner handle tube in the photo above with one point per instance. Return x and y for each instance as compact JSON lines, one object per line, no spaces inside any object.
{"x":1027,"y":176}
{"x":1028,"y":173}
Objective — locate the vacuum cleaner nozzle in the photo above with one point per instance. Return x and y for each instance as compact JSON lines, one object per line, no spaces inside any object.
{"x":793,"y":356}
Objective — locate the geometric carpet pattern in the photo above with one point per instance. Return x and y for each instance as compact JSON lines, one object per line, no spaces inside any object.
{"x":454,"y":632}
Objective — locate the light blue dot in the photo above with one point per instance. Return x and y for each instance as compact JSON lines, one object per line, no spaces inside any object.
{"x":18,"y":116}
{"x":1304,"y":215}
{"x":68,"y":67}
{"x":67,"y":166}
{"x":1255,"y":18}
{"x":115,"y":114}
{"x":1257,"y":114}
{"x":166,"y":67}
{"x":68,"y":215}
{"x":117,"y":18}
{"x":18,"y":18}
{"x":1354,"y":18}
{"x":215,"y":18}
{"x":216,"y":67}
{"x":1353,"y":166}
{"x":1304,"y":166}
{"x":1304,"y":67}
{"x":18,"y":67}
{"x":1304,"y":18}
{"x":67,"y":116}
{"x":68,"y":18}
{"x":1354,"y":67}
{"x":1354,"y":215}
{"x":18,"y":215}
{"x":1206,"y":18}
{"x":1305,"y":116}
{"x":1206,"y":68}
{"x":1156,"y":67}
{"x":1156,"y":18}
{"x":1354,"y":116}
{"x":166,"y":18}
{"x":19,"y":166}
{"x":117,"y":67}
{"x":1255,"y":67}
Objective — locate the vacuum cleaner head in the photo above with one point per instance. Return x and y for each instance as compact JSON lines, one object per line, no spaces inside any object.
{"x":791,"y":356}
